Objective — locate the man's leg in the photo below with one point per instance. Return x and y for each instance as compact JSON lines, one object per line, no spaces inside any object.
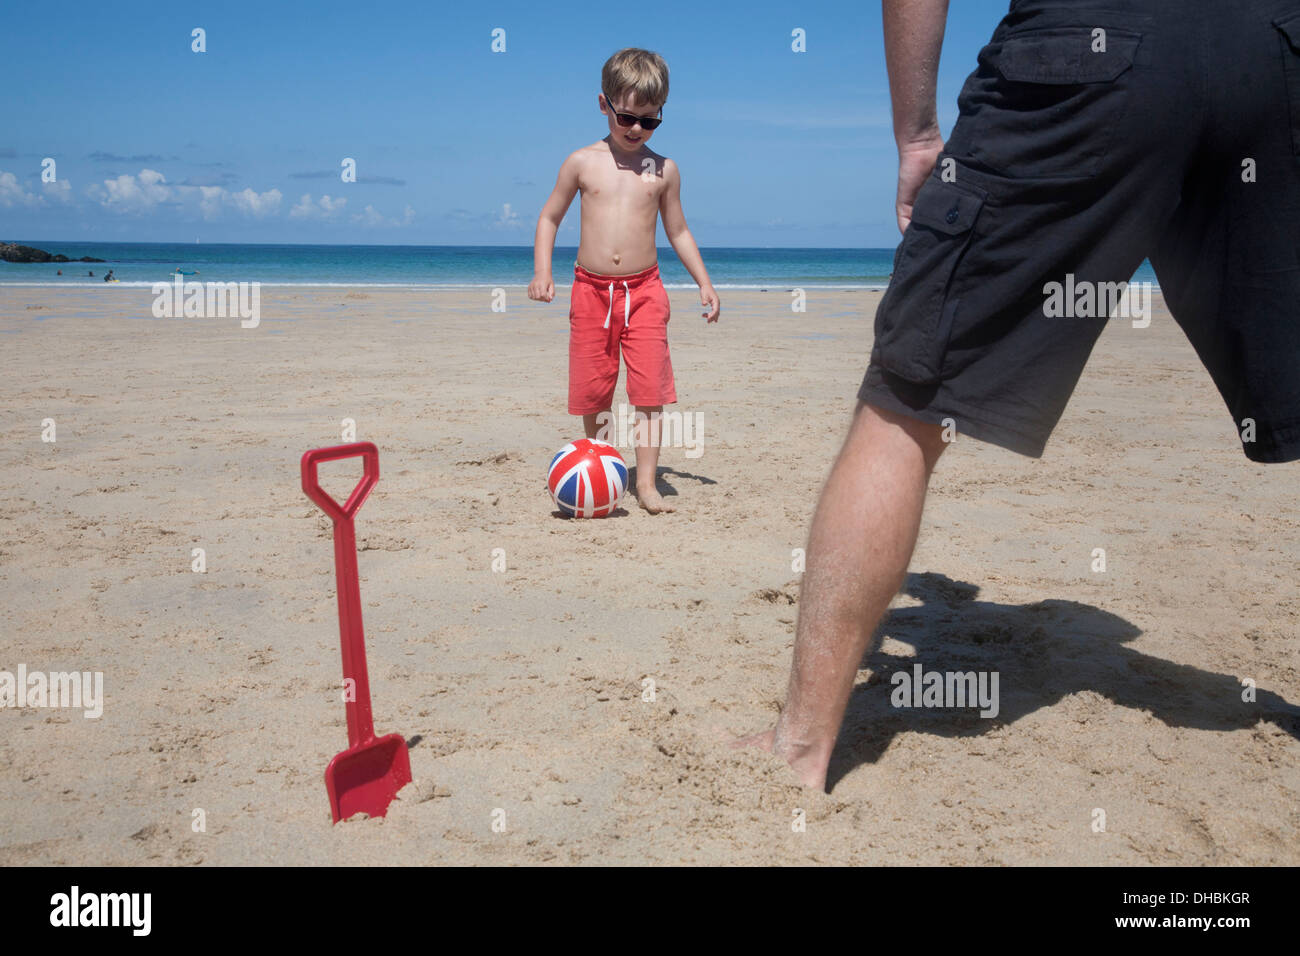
{"x":861,"y":541}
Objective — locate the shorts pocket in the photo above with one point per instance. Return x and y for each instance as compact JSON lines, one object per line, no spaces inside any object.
{"x":1045,"y":103}
{"x":1289,"y":27}
{"x":914,"y":320}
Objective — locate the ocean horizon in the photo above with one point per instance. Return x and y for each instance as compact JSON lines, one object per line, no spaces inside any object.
{"x":432,"y":267}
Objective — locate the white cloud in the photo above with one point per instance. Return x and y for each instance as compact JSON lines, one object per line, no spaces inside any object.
{"x":147,"y":190}
{"x":323,"y":208}
{"x":134,"y":194}
{"x":370,"y":216}
{"x":254,"y":204}
{"x":61,"y":190}
{"x":13,"y":193}
{"x":508,"y":219}
{"x":210,"y":201}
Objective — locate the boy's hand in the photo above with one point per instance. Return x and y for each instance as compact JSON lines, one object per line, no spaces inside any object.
{"x":709,"y":299}
{"x":541,"y":288}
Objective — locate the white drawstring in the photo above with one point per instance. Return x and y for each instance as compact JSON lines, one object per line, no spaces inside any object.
{"x":627,"y":305}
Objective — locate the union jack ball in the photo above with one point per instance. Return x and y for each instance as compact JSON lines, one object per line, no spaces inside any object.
{"x":587,"y":478}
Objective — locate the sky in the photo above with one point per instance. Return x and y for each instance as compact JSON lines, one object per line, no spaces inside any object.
{"x":453,"y":143}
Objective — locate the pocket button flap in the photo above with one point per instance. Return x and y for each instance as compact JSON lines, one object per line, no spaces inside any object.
{"x":946,"y":209}
{"x":1067,"y":57}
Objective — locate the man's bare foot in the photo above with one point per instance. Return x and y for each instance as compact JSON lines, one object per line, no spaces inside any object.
{"x":650,"y":499}
{"x":809,"y":769}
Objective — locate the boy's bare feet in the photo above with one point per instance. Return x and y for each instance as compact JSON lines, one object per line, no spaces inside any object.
{"x":646,"y":437}
{"x":649,"y":498}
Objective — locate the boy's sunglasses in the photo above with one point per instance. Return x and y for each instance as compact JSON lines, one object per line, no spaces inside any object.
{"x":627,"y":119}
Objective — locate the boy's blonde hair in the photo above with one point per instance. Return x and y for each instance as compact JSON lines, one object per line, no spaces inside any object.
{"x":637,"y":71}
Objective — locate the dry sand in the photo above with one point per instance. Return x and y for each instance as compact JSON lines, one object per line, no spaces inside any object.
{"x":521,"y":691}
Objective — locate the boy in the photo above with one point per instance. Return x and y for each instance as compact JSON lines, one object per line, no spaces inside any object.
{"x":618,"y":301}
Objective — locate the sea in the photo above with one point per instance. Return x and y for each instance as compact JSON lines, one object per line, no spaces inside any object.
{"x":425,"y":267}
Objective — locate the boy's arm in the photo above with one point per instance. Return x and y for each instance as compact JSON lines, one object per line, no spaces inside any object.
{"x":683,"y":243}
{"x":548,"y":223}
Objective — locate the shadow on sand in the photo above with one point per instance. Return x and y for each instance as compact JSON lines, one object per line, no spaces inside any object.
{"x":667,"y":488}
{"x":1042,"y":653}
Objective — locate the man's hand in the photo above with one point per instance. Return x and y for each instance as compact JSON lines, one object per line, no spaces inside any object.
{"x":915,"y":163}
{"x":709,"y":299}
{"x":542,"y":288}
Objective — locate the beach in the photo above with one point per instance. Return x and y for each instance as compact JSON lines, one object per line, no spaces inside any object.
{"x":574,"y":706}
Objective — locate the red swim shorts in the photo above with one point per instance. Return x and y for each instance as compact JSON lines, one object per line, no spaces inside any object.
{"x":609,"y":313}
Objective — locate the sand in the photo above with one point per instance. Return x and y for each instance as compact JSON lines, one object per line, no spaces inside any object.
{"x":521,"y":691}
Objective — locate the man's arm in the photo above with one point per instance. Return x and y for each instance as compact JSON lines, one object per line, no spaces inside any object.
{"x":683,"y":243}
{"x":548,"y":223}
{"x":913,"y":39}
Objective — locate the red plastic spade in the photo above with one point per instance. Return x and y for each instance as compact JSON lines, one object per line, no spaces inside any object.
{"x":366,"y":777}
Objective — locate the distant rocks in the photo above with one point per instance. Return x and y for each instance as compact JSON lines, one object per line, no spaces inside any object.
{"x":12,"y":252}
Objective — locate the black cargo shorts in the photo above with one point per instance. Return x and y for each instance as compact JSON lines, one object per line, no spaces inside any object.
{"x":1093,"y":135}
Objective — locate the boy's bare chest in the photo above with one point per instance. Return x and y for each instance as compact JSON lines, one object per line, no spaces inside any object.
{"x":623,"y":190}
